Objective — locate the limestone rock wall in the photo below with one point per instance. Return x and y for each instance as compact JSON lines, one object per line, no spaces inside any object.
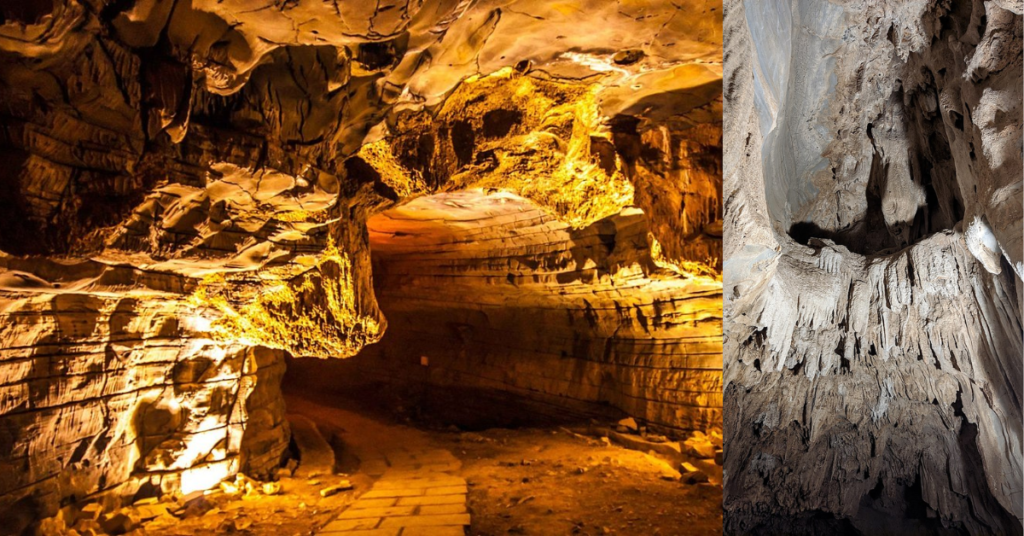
{"x":520,"y":318}
{"x":873,"y":312}
{"x":180,"y":206}
{"x":156,"y":364}
{"x":113,"y":386}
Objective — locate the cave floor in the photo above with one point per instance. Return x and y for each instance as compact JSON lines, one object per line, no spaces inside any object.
{"x":540,"y":481}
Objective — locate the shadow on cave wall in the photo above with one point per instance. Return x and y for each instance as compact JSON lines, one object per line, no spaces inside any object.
{"x":353,"y":383}
{"x":936,"y":172}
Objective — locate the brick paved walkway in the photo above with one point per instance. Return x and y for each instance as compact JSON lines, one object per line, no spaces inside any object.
{"x":419,"y":491}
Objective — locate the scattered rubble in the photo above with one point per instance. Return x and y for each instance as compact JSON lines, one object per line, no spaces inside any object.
{"x":331,"y":490}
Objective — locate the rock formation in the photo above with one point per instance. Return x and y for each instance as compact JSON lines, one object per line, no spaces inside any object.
{"x":501,"y":314}
{"x":187,"y":185}
{"x":873,"y":290}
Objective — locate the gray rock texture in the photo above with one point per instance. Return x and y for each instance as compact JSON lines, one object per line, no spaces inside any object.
{"x":873,"y":342}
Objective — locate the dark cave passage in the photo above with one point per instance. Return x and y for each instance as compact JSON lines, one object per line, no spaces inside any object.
{"x":465,"y":279}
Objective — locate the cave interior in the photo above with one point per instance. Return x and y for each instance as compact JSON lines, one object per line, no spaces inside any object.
{"x":873,"y":292}
{"x":264,"y":263}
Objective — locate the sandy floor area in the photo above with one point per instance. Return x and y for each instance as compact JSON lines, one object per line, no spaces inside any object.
{"x":529,"y":481}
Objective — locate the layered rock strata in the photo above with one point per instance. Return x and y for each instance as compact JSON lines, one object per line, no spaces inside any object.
{"x":501,"y":314}
{"x":181,"y":207}
{"x":873,"y":334}
{"x":112,"y":383}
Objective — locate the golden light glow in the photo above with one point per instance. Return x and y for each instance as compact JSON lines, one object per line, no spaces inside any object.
{"x":684,"y":268}
{"x":405,"y":182}
{"x":315,"y":314}
{"x":537,"y":163}
{"x":541,"y":149}
{"x":205,"y":477}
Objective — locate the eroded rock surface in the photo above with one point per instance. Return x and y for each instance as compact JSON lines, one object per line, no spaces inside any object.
{"x":873,"y":309}
{"x":181,"y":206}
{"x":501,"y":314}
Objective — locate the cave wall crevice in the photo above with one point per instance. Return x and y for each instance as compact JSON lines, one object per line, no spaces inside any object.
{"x":868,"y":284}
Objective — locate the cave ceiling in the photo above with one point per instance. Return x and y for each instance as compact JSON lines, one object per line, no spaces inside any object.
{"x":186,"y":187}
{"x":212,"y":140}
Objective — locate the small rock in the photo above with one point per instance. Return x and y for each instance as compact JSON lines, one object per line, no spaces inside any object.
{"x":331,"y":490}
{"x":271,"y":488}
{"x":699,"y":447}
{"x":91,"y":511}
{"x":85,"y":525}
{"x":719,"y":458}
{"x":151,"y":511}
{"x":194,"y":507}
{"x":628,"y":425}
{"x":68,"y":515}
{"x":118,"y":523}
{"x":230,"y":488}
{"x":628,"y":57}
{"x":691,"y":474}
{"x":194,"y":496}
{"x":52,"y":525}
{"x":696,"y":478}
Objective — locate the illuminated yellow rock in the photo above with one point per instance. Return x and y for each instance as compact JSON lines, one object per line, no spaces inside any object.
{"x":513,"y":132}
{"x":311,"y":315}
{"x":183,"y":202}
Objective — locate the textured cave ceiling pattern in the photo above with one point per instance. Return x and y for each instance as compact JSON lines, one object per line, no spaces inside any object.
{"x":186,"y":186}
{"x":874,"y":261}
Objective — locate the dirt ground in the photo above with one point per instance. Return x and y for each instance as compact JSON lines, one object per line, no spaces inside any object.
{"x":551,"y":482}
{"x":297,"y":510}
{"x":527,"y":481}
